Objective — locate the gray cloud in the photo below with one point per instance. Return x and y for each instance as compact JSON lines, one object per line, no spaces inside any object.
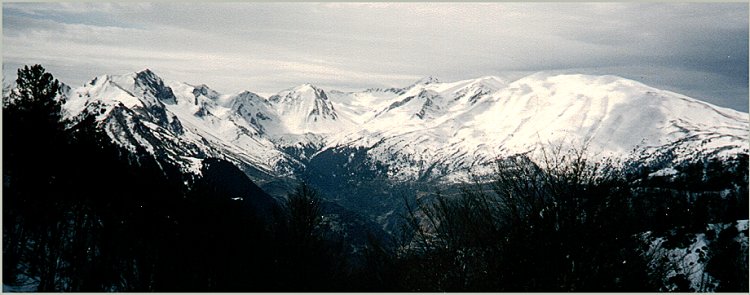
{"x":699,"y":49}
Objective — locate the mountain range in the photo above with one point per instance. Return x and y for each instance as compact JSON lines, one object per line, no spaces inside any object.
{"x":445,"y":131}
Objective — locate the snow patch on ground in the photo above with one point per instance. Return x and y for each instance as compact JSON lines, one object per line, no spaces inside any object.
{"x":691,"y":260}
{"x":194,"y":165}
{"x":669,"y":171}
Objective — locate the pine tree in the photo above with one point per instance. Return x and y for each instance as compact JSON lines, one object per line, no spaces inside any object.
{"x":32,"y":120}
{"x":35,"y":88}
{"x":32,"y":128}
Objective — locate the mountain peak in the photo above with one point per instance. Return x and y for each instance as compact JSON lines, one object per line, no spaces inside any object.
{"x":422,"y":82}
{"x":147,"y":75}
{"x":306,"y":87}
{"x":306,"y":108}
{"x":492,"y":79}
{"x":98,"y":79}
{"x":305,"y":91}
{"x":204,"y":90}
{"x":427,"y":80}
{"x":146,"y":71}
{"x":247,"y":93}
{"x":149,"y":82}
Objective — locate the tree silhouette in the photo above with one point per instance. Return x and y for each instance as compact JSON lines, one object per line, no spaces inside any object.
{"x":561,"y":226}
{"x":31,"y":132}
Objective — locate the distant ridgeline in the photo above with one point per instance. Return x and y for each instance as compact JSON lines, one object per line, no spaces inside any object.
{"x":547,"y":183}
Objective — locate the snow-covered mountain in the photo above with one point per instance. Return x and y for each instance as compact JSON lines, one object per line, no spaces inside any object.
{"x":180,"y":122}
{"x":307,"y":109}
{"x":451,"y":129}
{"x":428,"y":130}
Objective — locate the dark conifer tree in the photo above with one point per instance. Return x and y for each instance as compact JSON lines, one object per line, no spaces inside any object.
{"x":31,"y":132}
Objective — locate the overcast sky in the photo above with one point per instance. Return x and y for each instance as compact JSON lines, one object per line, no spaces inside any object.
{"x":699,"y":49}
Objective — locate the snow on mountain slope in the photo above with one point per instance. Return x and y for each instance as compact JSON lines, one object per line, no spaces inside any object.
{"x":610,"y":116}
{"x":428,"y":100}
{"x":360,"y":107}
{"x":181,"y":125}
{"x":219,"y":120}
{"x":418,"y":106}
{"x":307,"y":109}
{"x":256,"y":111}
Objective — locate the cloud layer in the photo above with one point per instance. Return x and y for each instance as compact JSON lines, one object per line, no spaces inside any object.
{"x":699,"y":49}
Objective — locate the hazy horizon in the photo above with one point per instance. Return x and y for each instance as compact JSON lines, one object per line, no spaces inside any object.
{"x":697,"y":49}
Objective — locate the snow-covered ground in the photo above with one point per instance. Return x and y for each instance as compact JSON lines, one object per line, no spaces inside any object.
{"x":691,"y":260}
